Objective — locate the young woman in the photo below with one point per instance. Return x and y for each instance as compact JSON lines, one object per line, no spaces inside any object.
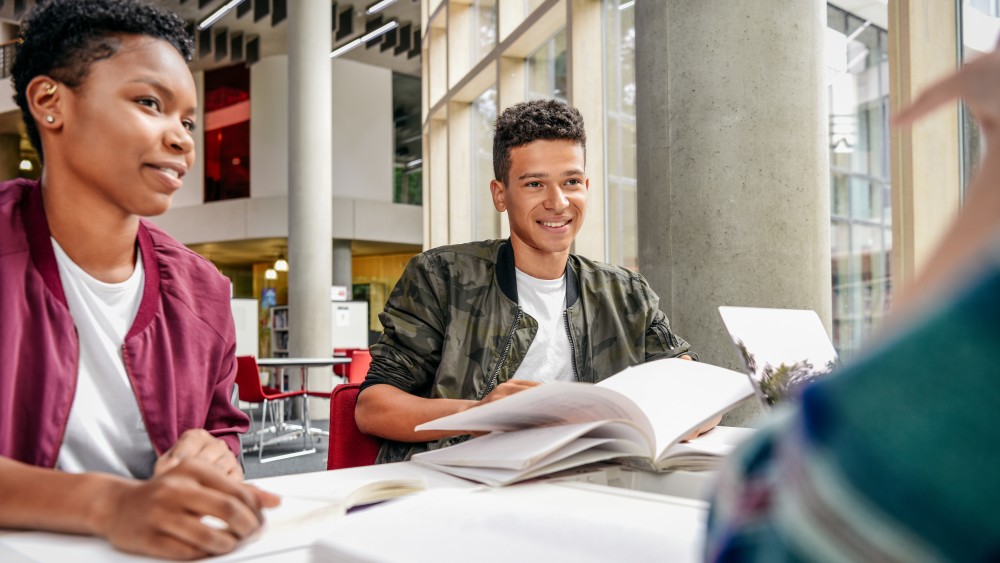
{"x":117,"y":344}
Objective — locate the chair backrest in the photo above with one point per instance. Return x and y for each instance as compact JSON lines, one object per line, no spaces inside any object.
{"x":248,"y":379}
{"x":341,"y":369}
{"x":349,"y":447}
{"x":360,"y":361}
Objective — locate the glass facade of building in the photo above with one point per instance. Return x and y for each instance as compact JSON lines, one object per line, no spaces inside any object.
{"x":620,"y":145}
{"x":860,"y":189}
{"x":485,"y":219}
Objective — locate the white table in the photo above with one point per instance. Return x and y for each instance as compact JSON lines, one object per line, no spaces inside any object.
{"x":302,"y":520}
{"x":303,"y":364}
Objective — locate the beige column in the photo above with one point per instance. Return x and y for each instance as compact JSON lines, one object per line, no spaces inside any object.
{"x":733,"y":170}
{"x":10,"y":155}
{"x":586,"y":74}
{"x":924,"y":159}
{"x":310,"y":142}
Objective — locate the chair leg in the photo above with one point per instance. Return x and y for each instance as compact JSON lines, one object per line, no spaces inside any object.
{"x":260,"y":435}
{"x":307,"y":439}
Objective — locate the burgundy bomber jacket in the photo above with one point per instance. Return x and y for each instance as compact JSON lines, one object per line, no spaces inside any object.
{"x":179,"y":353}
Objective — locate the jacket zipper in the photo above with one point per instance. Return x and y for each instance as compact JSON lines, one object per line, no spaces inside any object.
{"x":572,"y":347}
{"x":76,"y":382}
{"x":503,"y":356}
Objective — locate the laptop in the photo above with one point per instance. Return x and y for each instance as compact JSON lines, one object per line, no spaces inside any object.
{"x":781,"y":349}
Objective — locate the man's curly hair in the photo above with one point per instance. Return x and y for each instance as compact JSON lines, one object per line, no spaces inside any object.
{"x":531,"y":121}
{"x":62,"y":38}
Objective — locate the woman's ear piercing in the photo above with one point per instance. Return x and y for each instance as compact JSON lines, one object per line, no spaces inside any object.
{"x":51,"y":89}
{"x":49,"y":119}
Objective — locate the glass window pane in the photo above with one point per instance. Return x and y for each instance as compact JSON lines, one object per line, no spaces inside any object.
{"x":620,"y":140}
{"x":485,"y":218}
{"x":484,"y":37}
{"x":547,"y":69}
{"x":980,"y":27}
{"x":860,"y":206}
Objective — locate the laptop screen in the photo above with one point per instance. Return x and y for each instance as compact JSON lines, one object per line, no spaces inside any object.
{"x":781,"y":349}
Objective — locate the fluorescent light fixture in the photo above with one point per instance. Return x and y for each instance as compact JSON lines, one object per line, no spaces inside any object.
{"x":25,"y":165}
{"x":626,"y":5}
{"x":345,"y":48}
{"x":270,"y":274}
{"x":858,"y":31}
{"x":414,"y":163}
{"x":858,"y":58}
{"x":217,"y":15}
{"x":379,"y":6}
{"x":281,"y":265}
{"x":386,"y":28}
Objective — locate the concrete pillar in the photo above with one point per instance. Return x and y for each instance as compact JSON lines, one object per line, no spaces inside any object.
{"x":310,"y":142}
{"x":342,"y":274}
{"x":10,"y":155}
{"x":733,"y":163}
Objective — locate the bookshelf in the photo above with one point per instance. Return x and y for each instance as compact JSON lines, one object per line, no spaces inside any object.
{"x":279,"y":331}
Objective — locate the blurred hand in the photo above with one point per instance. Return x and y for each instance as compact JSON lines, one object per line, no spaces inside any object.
{"x":199,"y":444}
{"x":977,"y":83}
{"x":960,"y":251}
{"x":164,"y":517}
{"x":507,"y":389}
{"x":703,"y":428}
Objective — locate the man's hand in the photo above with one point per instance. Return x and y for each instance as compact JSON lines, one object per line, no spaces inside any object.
{"x":506,"y":389}
{"x":703,"y":428}
{"x":199,"y":444}
{"x":165,"y":516}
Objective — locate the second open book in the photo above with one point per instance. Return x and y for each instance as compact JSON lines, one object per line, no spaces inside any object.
{"x":641,"y":414}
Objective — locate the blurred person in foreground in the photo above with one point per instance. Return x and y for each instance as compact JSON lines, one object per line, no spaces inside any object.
{"x":117,"y":345}
{"x":895,"y":458}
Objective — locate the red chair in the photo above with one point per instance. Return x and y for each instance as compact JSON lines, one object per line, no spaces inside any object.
{"x":341,"y":369}
{"x":349,"y":446}
{"x":251,"y":391}
{"x":360,"y":361}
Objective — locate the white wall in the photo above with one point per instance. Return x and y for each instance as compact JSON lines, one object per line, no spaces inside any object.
{"x":362,"y":131}
{"x":361,"y":158}
{"x":269,"y":127}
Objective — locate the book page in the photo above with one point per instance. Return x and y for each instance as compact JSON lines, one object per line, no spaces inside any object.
{"x":582,"y":451}
{"x":523,"y":448}
{"x":557,"y":402}
{"x":679,"y":395}
{"x":531,"y":522}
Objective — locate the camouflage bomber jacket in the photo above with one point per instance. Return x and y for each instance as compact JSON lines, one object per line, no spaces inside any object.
{"x":453,"y":327}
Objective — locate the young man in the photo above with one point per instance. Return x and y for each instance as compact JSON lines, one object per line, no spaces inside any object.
{"x":473,"y":323}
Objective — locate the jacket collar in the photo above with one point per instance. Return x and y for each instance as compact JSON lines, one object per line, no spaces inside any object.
{"x":507,"y":279}
{"x":36,"y":226}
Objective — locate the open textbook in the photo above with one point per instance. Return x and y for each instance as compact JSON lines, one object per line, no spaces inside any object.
{"x":640,"y":414}
{"x":309,"y":506}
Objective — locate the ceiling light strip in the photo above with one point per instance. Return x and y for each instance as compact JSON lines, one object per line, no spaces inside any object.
{"x":217,"y":15}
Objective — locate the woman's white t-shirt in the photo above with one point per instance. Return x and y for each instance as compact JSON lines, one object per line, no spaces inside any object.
{"x":105,"y":432}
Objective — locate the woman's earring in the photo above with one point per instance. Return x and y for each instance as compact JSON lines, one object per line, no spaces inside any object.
{"x":49,"y":119}
{"x":51,"y":89}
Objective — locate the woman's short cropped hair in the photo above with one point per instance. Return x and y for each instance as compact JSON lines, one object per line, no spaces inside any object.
{"x":62,"y":38}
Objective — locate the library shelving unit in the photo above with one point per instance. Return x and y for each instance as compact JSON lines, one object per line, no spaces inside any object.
{"x":279,"y":331}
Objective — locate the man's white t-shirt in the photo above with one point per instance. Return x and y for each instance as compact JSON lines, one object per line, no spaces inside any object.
{"x":549,"y":357}
{"x":105,"y":432}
